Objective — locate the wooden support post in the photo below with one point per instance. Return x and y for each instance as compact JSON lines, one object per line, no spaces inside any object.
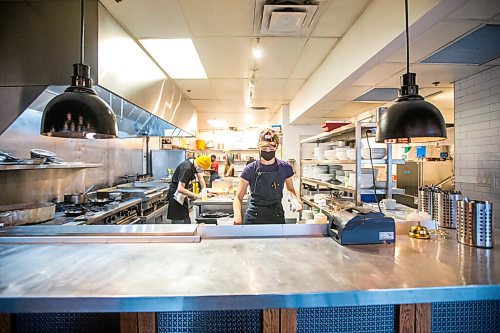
{"x":6,"y":323}
{"x":271,"y":321}
{"x":138,"y":322}
{"x":279,"y":321}
{"x":128,"y":322}
{"x":413,"y":318}
{"x":406,"y":318}
{"x":423,"y":318}
{"x":146,"y":322}
{"x":288,"y":321}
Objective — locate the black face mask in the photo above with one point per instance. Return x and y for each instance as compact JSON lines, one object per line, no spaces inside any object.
{"x":267,"y":155}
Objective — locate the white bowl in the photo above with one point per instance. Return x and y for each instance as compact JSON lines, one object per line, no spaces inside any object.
{"x":351,"y":153}
{"x":381,"y":184}
{"x":377,"y":153}
{"x":341,"y":153}
{"x":329,"y":154}
{"x":326,"y":178}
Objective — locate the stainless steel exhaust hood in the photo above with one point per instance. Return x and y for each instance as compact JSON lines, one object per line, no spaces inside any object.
{"x":42,"y":45}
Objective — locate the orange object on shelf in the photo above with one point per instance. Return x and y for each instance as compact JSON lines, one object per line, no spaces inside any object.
{"x":331,"y":125}
{"x":200,"y":144}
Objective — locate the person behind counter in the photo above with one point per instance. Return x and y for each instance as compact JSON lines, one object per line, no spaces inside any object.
{"x":229,"y":167}
{"x":214,"y":169}
{"x":178,"y":192}
{"x":266,"y":178}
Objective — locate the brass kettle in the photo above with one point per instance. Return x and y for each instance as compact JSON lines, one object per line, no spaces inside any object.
{"x":419,"y":231}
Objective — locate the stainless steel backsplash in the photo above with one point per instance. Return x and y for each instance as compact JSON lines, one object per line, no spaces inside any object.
{"x":117,"y":156}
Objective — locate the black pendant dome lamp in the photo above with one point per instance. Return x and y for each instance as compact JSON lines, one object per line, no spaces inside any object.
{"x":410,"y":118}
{"x":79,"y":113}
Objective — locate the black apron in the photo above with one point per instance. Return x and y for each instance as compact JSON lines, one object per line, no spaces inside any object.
{"x":265,"y":200}
{"x":176,"y":211}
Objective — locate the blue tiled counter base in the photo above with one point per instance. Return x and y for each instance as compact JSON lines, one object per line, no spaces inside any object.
{"x":210,"y":321}
{"x":67,"y":323}
{"x":352,"y":319}
{"x":477,"y":317}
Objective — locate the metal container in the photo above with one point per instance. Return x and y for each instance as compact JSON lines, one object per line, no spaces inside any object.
{"x":448,"y":209}
{"x":31,"y":213}
{"x":425,"y":199}
{"x":475,"y":223}
{"x":76,"y":198}
{"x":435,"y":204}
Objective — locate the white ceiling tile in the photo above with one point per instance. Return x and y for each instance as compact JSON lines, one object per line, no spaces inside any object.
{"x":433,"y":40}
{"x":206,"y":105}
{"x":338,"y":17}
{"x":379,"y":73}
{"x":230,"y":89}
{"x":280,"y":55}
{"x":312,"y":55}
{"x":292,"y":87}
{"x":150,"y":19}
{"x":272,"y":105}
{"x":232,"y":106}
{"x":219,"y":17}
{"x":224,"y":57}
{"x":200,"y":88}
{"x":477,"y":10}
{"x":443,"y":100}
{"x":269,"y":89}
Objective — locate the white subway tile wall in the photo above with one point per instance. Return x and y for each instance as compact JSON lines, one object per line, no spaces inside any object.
{"x":477,"y":138}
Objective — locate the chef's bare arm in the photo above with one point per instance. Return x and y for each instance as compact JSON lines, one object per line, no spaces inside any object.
{"x":201,"y":180}
{"x":238,"y":201}
{"x":291,"y":189}
{"x":182,"y":189}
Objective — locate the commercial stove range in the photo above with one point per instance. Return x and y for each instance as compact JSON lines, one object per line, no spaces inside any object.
{"x":153,"y":196}
{"x":115,"y":212}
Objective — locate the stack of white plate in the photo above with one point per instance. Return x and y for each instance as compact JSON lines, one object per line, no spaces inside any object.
{"x":367,"y":177}
{"x":306,"y":171}
{"x":377,"y":153}
{"x":319,"y":170}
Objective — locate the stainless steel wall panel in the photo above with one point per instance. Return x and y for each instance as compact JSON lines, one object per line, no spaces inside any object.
{"x":118,"y":157}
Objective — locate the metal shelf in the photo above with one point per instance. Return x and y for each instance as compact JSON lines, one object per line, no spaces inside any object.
{"x":315,"y":205}
{"x":323,"y":137}
{"x":66,"y":165}
{"x":350,"y":189}
{"x":329,"y":185}
{"x":340,"y":162}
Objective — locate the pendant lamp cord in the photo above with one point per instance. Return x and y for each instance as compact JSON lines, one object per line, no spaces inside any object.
{"x":82,"y":29}
{"x":407,"y":39}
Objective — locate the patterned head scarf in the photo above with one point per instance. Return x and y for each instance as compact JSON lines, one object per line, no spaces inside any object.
{"x":268,"y":137}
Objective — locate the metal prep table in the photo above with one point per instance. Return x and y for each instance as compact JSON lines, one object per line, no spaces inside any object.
{"x":217,"y":204}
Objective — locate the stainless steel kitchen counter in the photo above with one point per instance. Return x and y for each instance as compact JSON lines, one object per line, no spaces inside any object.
{"x":243,"y":273}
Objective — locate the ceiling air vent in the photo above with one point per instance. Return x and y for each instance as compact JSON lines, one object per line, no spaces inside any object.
{"x":289,"y":18}
{"x":259,"y":108}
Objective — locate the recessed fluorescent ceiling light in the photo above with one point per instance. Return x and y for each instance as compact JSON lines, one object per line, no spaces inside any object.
{"x":178,"y":57}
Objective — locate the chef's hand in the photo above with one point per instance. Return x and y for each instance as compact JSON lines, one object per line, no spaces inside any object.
{"x":238,"y":220}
